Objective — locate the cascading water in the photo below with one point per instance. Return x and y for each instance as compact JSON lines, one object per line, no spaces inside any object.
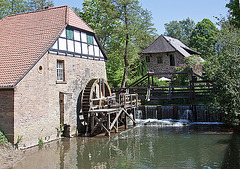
{"x":139,"y":114}
{"x":165,"y":116}
{"x":186,"y":116}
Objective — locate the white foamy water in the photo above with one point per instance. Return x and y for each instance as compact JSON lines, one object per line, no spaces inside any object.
{"x":171,"y":122}
{"x":163,"y":122}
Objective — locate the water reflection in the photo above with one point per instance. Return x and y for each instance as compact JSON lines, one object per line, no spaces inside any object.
{"x":232,"y":155}
{"x":141,"y":147}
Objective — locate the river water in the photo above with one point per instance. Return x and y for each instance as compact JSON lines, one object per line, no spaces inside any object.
{"x":146,"y":146}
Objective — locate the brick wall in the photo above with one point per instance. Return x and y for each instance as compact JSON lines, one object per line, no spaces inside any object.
{"x":36,"y":97}
{"x":6,"y":113}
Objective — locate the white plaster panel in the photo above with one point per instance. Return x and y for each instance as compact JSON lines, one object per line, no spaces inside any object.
{"x":63,"y":33}
{"x":62,"y":44}
{"x":84,"y":48}
{"x":90,"y":48}
{"x":70,"y":45}
{"x":84,"y":37}
{"x":77,"y":47}
{"x":101,"y":54}
{"x":96,"y":50}
{"x":55,"y":46}
{"x":76,"y":35}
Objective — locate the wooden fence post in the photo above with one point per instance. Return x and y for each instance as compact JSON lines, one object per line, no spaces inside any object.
{"x":175,"y":112}
{"x":159,"y":112}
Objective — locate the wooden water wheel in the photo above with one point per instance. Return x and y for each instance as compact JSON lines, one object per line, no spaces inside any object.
{"x":94,"y":96}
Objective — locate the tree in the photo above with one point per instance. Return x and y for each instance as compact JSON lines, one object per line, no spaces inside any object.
{"x":35,"y":5}
{"x":181,"y":30}
{"x":223,"y":68}
{"x":10,"y":7}
{"x":234,"y":11}
{"x":4,"y":5}
{"x":202,"y":38}
{"x":124,"y":29}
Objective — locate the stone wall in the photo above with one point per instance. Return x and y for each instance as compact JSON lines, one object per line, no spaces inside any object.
{"x":6,"y":112}
{"x":154,"y":66}
{"x":37,"y":104}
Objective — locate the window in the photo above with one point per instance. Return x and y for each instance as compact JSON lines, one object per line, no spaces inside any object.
{"x":172,"y":60}
{"x":69,"y":34}
{"x":60,"y":70}
{"x":160,"y":59}
{"x":90,"y":39}
{"x":147,"y":58}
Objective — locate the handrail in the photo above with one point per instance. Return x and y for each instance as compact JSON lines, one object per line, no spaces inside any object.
{"x":138,"y":81}
{"x":135,"y":83}
{"x":208,"y":81}
{"x":148,"y":76}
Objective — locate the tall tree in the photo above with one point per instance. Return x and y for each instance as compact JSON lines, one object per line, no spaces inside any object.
{"x":181,"y":30}
{"x":224,"y":69}
{"x":202,"y":38}
{"x":39,"y":4}
{"x":234,"y":11}
{"x":124,"y":28}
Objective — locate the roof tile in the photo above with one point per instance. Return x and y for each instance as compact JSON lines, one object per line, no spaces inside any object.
{"x":168,"y":44}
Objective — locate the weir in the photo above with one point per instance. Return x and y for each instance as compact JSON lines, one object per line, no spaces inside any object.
{"x":177,"y":115}
{"x":186,"y":95}
{"x":203,"y":113}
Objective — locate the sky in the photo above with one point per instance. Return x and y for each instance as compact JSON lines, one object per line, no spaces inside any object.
{"x":164,"y":11}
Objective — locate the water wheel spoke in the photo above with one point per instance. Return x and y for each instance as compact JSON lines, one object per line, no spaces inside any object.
{"x":93,"y":97}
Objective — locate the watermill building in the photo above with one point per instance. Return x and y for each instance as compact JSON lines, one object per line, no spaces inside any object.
{"x":46,"y":59}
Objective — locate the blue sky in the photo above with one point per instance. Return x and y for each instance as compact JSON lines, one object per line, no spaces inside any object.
{"x":164,"y":11}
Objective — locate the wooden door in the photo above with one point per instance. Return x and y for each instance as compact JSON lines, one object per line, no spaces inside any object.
{"x":61,"y":103}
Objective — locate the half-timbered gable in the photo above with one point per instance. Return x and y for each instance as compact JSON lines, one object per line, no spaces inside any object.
{"x":78,"y":43}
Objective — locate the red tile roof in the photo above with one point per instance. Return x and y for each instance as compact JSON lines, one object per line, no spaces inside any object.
{"x":24,"y":39}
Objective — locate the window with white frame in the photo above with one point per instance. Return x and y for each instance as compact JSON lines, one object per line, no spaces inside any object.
{"x":60,"y":70}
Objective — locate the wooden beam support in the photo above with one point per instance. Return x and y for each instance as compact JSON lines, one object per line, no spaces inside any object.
{"x":116,"y":119}
{"x":129,"y":116}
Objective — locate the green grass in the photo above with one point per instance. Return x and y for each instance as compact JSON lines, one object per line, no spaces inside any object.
{"x":3,"y":139}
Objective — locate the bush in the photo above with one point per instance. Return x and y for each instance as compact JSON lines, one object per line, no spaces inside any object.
{"x":193,"y":62}
{"x":181,"y":79}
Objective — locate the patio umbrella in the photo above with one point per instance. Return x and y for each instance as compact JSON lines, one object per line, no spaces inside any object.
{"x":164,"y":79}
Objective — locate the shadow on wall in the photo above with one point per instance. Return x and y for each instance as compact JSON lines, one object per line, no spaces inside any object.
{"x":80,"y":120}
